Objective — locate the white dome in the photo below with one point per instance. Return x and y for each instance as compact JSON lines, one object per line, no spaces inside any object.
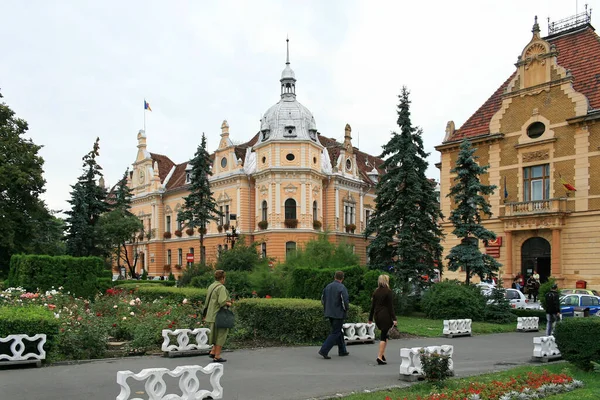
{"x":288,"y":120}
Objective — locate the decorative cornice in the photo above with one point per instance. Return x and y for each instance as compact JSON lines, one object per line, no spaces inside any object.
{"x":535,"y":143}
{"x":485,"y":138}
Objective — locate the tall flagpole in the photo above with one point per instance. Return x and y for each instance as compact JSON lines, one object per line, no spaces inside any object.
{"x":144,"y":116}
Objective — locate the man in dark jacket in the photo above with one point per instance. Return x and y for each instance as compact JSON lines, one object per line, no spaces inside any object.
{"x":552,"y":309}
{"x":335,"y":304}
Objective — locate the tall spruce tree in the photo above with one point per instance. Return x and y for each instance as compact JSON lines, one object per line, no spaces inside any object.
{"x":470,"y":205}
{"x":21,"y":184}
{"x":200,"y":207}
{"x":120,"y":226}
{"x":407,"y":213}
{"x":88,"y":202}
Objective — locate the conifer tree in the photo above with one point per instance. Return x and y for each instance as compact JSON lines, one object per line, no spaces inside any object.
{"x":88,"y":202}
{"x":200,"y":207}
{"x":407,"y":213}
{"x":470,"y":205}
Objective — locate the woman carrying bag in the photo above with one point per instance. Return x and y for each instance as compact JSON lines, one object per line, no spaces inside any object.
{"x":217,"y":315}
{"x":382,"y":308}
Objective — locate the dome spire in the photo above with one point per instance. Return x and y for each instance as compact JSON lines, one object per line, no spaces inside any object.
{"x":288,"y":77}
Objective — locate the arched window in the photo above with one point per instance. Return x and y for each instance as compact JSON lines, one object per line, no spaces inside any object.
{"x":264,"y":210}
{"x":315,"y":214}
{"x":290,"y":209}
{"x":290,"y":248}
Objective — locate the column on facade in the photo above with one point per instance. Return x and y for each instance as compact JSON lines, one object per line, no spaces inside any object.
{"x":508,"y":265}
{"x":582,"y":171}
{"x":337,"y":208}
{"x":556,"y":267}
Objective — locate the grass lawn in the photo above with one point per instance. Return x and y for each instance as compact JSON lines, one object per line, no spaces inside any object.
{"x":420,"y":326}
{"x":590,"y":391}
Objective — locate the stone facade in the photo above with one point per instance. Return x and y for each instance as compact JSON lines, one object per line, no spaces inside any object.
{"x":542,"y":122}
{"x":286,"y":177}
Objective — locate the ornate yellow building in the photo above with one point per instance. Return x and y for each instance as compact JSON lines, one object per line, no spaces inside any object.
{"x":540,"y":132}
{"x":284,"y":186}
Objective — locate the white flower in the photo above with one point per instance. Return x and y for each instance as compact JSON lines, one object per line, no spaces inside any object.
{"x":132,"y":303}
{"x":124,"y":318}
{"x":132,"y":313}
{"x":56,"y":315}
{"x":185,"y":301}
{"x":115,"y":306}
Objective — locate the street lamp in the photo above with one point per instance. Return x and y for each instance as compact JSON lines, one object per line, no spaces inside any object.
{"x":232,"y":237}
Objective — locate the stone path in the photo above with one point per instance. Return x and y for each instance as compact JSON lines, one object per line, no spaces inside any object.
{"x":282,"y":373}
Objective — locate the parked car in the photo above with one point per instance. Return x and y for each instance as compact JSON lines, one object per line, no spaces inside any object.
{"x":591,"y":292}
{"x":515,"y":297}
{"x":578,"y":302}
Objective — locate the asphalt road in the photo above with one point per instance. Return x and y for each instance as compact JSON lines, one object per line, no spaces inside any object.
{"x":289,"y":373}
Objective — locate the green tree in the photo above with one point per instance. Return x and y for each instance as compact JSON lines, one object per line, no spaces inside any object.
{"x":240,"y":258}
{"x":48,"y":235}
{"x":321,"y":253}
{"x":407,"y":213}
{"x":21,"y":184}
{"x":88,"y":202}
{"x":470,"y":205}
{"x":200,"y":207}
{"x":119,"y":226}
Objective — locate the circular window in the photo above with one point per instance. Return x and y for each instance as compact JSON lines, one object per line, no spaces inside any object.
{"x":290,"y":157}
{"x":314,"y":160}
{"x":289,"y":131}
{"x":536,"y":130}
{"x":348,"y":164}
{"x":264,"y":160}
{"x":223,"y":162}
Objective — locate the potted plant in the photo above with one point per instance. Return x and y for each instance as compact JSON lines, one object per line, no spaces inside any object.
{"x":190,"y":231}
{"x":317,"y":224}
{"x":350,"y":228}
{"x":263,"y":224}
{"x":290,"y":222}
{"x":167,"y":267}
{"x":220,"y":228}
{"x":178,"y":266}
{"x":178,"y":233}
{"x":141,"y":236}
{"x":167,"y":235}
{"x":226,"y":226}
{"x":202,"y":231}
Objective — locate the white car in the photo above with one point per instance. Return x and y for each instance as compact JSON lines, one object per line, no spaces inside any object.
{"x":515,"y":297}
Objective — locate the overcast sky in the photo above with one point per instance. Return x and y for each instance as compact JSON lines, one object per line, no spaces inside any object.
{"x":77,"y":70}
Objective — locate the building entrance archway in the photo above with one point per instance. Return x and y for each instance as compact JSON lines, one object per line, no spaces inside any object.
{"x":536,"y":255}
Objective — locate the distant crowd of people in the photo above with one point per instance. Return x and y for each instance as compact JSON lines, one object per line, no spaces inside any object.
{"x":529,"y":286}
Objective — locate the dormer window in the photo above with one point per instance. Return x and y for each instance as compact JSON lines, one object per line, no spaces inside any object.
{"x":290,"y":131}
{"x":188,"y":177}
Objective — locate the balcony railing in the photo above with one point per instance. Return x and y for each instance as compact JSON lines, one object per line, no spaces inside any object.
{"x":536,"y":207}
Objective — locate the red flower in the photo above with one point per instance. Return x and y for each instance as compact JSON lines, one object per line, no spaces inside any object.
{"x":51,"y":306}
{"x":267,"y":297}
{"x":114,"y":325}
{"x":98,"y":315}
{"x":170,"y":326}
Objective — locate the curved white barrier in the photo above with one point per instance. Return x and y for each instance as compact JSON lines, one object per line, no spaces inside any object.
{"x":410,"y":359}
{"x":18,"y":347}
{"x":183,"y":340}
{"x":457,"y":327}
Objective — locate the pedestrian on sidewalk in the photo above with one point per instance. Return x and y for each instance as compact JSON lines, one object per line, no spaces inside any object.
{"x":335,"y":302}
{"x":217,"y":297}
{"x":552,"y":309}
{"x":382,"y":308}
{"x":533,"y":287}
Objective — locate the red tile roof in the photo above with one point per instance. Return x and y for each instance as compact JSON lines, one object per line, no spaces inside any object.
{"x":164,"y":165}
{"x":578,"y":51}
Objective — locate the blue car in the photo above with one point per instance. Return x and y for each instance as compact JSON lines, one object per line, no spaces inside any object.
{"x":578,"y":302}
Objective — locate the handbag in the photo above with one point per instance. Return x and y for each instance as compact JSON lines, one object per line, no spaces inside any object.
{"x":225,"y":318}
{"x":394,"y":333}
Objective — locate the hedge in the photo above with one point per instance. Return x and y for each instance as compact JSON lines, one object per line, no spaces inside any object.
{"x":150,"y":293}
{"x":293,"y":321}
{"x":77,"y":275}
{"x":520,"y":312}
{"x":237,"y":282}
{"x":577,"y":340}
{"x":135,"y":282}
{"x":308,"y":283}
{"x":453,"y":300}
{"x":29,"y":320}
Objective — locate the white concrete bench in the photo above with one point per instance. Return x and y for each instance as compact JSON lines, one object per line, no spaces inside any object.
{"x":528,"y":324}
{"x":189,"y":384}
{"x":411,"y":368}
{"x":457,"y":327}
{"x":545,"y":349}
{"x":17,"y":350}
{"x":183,"y":346}
{"x":359,"y":332}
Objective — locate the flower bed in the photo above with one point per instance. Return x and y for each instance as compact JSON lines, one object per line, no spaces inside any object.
{"x":521,"y":387}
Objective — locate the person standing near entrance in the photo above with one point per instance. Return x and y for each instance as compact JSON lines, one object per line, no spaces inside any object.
{"x":533,"y":287}
{"x":552,"y":309}
{"x":335,"y":302}
{"x":382,"y":308}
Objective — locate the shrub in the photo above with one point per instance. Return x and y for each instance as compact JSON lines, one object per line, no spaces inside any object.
{"x":77,"y":275}
{"x":136,"y":283}
{"x":369,"y":284}
{"x":103,"y":284}
{"x":29,"y":320}
{"x":150,"y":293}
{"x":498,"y":311}
{"x":453,"y":300}
{"x":171,"y":279}
{"x":577,"y":340}
{"x":144,"y":276}
{"x":321,"y":253}
{"x":240,"y":258}
{"x":83,"y":337}
{"x":545,"y":288}
{"x":238,"y":284}
{"x":279,"y":319}
{"x":308,"y":283}
{"x":194,"y":270}
{"x":436,"y":367}
{"x":267,"y":281}
{"x":202,"y":281}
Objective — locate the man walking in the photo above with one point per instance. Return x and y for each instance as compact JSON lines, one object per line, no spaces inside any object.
{"x":552,"y":309}
{"x":335,"y":304}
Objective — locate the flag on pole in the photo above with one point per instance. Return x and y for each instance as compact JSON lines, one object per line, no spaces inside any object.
{"x":147,"y":105}
{"x":567,"y":185}
{"x":505,"y":189}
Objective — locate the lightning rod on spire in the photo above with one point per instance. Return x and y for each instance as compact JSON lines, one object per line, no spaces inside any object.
{"x":287,"y":60}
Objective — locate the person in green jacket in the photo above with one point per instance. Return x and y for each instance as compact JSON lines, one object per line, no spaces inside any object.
{"x":217,"y":297}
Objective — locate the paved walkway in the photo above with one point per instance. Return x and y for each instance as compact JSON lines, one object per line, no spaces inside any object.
{"x":283,"y":373}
